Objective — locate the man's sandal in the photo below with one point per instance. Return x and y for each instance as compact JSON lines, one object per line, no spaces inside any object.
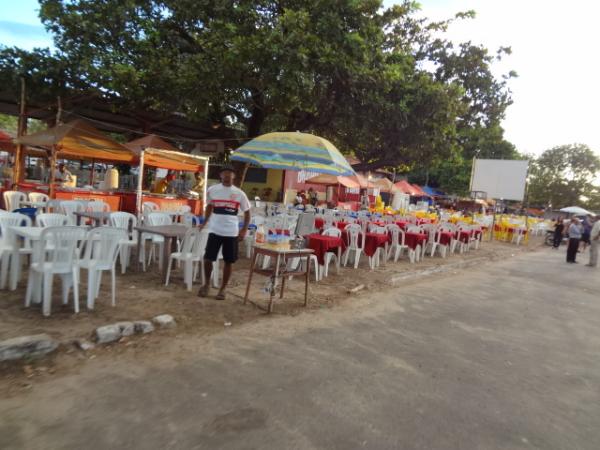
{"x":220,"y":296}
{"x":203,"y":292}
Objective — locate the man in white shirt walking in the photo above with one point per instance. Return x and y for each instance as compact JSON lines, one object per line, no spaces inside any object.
{"x":223,"y":201}
{"x":594,"y":239}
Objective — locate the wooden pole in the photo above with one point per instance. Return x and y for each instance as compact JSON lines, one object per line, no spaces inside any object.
{"x":92,"y":171}
{"x":52,"y":172}
{"x":19,"y":163}
{"x":243,"y":177}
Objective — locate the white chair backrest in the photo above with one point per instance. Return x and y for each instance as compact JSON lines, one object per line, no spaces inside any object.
{"x":377,"y":229}
{"x":59,"y":246}
{"x":68,"y":207}
{"x":147,"y":208}
{"x":157,"y":218}
{"x":200,"y":243}
{"x":191,"y":235}
{"x":333,"y":231}
{"x":51,"y":220}
{"x":396,"y":232}
{"x":124,"y":220}
{"x":413,"y":229}
{"x":98,"y":206}
{"x":8,"y":220}
{"x":102,"y":245}
{"x":38,"y":197}
{"x":354,"y":232}
{"x":183,"y":209}
{"x":13,"y":199}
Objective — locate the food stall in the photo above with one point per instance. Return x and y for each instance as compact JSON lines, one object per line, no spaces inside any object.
{"x":77,"y":141}
{"x":154,"y":152}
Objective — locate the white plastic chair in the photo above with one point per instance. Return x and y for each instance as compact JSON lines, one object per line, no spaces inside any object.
{"x":46,"y":220}
{"x":97,"y":206}
{"x":69,"y":207}
{"x":39,"y":197}
{"x":56,"y":255}
{"x":398,"y":245}
{"x":157,"y":242}
{"x":125,"y":221}
{"x":11,"y":253}
{"x":336,"y":232}
{"x":13,"y":199}
{"x":355,"y":243}
{"x":100,"y":254}
{"x":191,"y":254}
{"x":53,"y":205}
{"x":147,"y":208}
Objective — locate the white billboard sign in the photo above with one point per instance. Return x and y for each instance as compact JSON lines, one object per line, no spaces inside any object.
{"x":500,"y":178}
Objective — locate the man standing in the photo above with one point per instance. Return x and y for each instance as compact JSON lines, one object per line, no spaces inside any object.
{"x":574,"y":237}
{"x":594,"y":236}
{"x":223,"y":201}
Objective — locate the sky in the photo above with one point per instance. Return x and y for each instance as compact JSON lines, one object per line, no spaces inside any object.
{"x":555,"y":53}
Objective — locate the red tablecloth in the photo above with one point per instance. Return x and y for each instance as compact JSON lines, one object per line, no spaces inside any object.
{"x":319,"y":223}
{"x":379,"y":223}
{"x":323,"y":244}
{"x":424,"y":221}
{"x":402,"y":224}
{"x":414,"y":239}
{"x":445,"y":238}
{"x":464,"y":235}
{"x":342,"y":225}
{"x":372,"y":241}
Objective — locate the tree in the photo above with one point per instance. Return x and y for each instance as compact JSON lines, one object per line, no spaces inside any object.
{"x":564,"y":176}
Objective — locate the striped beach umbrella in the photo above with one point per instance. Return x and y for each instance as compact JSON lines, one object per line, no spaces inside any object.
{"x":293,"y":151}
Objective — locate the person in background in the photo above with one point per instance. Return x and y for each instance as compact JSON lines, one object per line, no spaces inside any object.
{"x":364,"y":200}
{"x":223,"y":201}
{"x":62,"y":175}
{"x":575,"y":232}
{"x":312,"y":196}
{"x":594,"y":237}
{"x":559,"y":230}
{"x":587,"y":228}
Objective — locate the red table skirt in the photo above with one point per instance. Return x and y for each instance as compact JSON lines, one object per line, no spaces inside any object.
{"x":402,"y":224}
{"x":464,"y":236}
{"x":323,"y":244}
{"x":319,"y":223}
{"x":414,"y":239}
{"x":445,"y":238}
{"x":373,"y":241}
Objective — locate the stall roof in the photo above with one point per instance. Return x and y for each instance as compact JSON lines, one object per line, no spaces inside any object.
{"x":79,"y":140}
{"x":385,"y":185}
{"x":419,"y":192}
{"x":169,"y":159}
{"x":150,"y":141}
{"x":327,"y":179}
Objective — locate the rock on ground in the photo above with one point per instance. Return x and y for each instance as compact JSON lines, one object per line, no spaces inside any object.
{"x":108,"y":333}
{"x":165,"y":321}
{"x":126,"y":328}
{"x":24,"y":346}
{"x":143,"y":326}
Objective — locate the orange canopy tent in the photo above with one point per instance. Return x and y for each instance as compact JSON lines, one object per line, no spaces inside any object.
{"x":327,"y":179}
{"x":159,"y":153}
{"x":407,"y":188}
{"x":420,"y":192}
{"x":79,"y":140}
{"x":385,"y":185}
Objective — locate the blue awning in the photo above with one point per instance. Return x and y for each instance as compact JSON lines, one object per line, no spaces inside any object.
{"x":432,"y":191}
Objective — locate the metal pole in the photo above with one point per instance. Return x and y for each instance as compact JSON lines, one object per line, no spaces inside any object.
{"x":52,"y":170}
{"x":205,"y":187}
{"x":138,"y":194}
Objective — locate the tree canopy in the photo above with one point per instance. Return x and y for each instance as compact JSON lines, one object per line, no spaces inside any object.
{"x":564,"y":176}
{"x":383,"y":84}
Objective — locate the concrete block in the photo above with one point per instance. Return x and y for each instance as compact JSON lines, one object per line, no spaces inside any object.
{"x":143,"y":326}
{"x":26,"y":346}
{"x":127,"y":328}
{"x":108,"y":333}
{"x":164,"y":321}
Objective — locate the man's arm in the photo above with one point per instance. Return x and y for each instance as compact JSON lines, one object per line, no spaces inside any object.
{"x":244,"y":229}
{"x":207,"y":214}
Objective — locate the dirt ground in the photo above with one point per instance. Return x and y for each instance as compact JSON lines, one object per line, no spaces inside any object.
{"x":141,"y":296}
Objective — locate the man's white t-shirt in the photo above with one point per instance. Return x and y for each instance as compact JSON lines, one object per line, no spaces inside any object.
{"x":226,"y":201}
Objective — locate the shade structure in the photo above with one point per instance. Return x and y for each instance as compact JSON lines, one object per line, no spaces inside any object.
{"x":577,"y":210}
{"x":419,"y":192}
{"x":79,"y":140}
{"x":432,"y":191}
{"x":385,"y":185}
{"x":149,"y":141}
{"x":293,"y":151}
{"x":168,"y":159}
{"x":331,"y":180}
{"x":406,"y":188}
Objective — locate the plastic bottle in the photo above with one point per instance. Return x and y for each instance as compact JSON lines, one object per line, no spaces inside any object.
{"x":260,"y":234}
